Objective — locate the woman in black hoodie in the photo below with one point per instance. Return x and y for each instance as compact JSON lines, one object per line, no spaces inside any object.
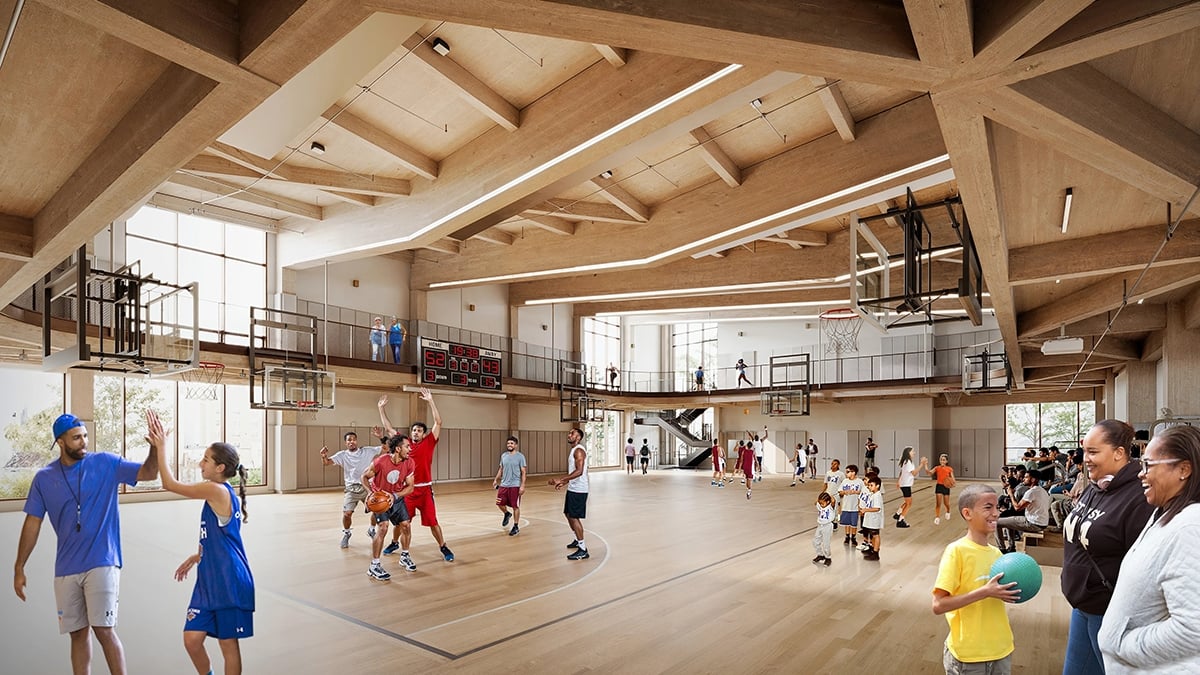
{"x":1106,"y":520}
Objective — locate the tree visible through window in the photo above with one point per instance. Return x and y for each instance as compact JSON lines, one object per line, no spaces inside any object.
{"x":1040,"y":425}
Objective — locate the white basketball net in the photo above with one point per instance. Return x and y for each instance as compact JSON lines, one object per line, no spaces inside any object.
{"x":840,"y":327}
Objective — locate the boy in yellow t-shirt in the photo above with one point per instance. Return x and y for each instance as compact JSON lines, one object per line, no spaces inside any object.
{"x":980,"y":640}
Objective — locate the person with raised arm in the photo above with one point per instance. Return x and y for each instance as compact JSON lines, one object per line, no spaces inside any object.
{"x":222,"y":604}
{"x":423,"y":443}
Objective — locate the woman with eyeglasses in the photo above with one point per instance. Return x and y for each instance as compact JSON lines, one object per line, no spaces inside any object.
{"x":1101,"y":527}
{"x":1153,"y":620}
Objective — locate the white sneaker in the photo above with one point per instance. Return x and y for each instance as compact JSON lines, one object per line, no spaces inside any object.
{"x":376,"y":571}
{"x":937,"y":521}
{"x":947,"y":515}
{"x":407,"y":563}
{"x":371,"y":532}
{"x":345,"y":539}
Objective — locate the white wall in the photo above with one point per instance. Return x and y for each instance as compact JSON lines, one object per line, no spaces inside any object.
{"x":452,"y":307}
{"x":969,"y":417}
{"x":383,"y":285}
{"x":546,"y":325}
{"x":643,"y":355}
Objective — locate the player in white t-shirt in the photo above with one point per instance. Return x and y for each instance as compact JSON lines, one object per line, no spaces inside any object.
{"x":354,"y":461}
{"x":908,"y":472}
{"x":833,"y":482}
{"x":872,"y":518}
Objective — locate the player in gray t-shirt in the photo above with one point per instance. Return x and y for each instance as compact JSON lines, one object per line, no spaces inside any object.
{"x":510,"y":485}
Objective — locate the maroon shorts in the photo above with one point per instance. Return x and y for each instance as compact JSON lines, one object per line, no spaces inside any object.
{"x":421,"y":499}
{"x":508,"y":496}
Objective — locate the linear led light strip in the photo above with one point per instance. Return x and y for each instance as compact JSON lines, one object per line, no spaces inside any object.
{"x":752,"y":319}
{"x":715,"y":77}
{"x":637,"y":262}
{"x":732,"y":308}
{"x":828,"y":282}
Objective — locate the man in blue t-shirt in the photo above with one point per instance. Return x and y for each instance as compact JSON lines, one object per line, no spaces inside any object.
{"x":79,"y":492}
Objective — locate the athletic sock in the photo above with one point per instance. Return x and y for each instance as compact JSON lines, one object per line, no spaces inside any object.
{"x":582,"y":546}
{"x":403,"y":552}
{"x":374,"y":561}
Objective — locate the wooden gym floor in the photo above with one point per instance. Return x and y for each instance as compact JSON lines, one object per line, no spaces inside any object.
{"x":683,"y":578}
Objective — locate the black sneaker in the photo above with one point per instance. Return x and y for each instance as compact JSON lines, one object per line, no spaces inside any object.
{"x":847,"y":541}
{"x":580,"y":554}
{"x":817,"y":560}
{"x":507,"y":517}
{"x":828,"y":562}
{"x":902,"y":523}
{"x":854,"y":541}
{"x":514,"y":531}
{"x":447,"y":554}
{"x":895,"y":516}
{"x":573,"y":544}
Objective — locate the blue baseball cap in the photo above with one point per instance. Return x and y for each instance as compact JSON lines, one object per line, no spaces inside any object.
{"x":65,"y":423}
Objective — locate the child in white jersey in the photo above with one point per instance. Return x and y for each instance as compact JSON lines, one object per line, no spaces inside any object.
{"x":824,"y":533}
{"x":850,"y":490}
{"x":833,"y":483}
{"x":872,"y":520}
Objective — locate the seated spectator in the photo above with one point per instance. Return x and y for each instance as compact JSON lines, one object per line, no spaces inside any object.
{"x":1035,"y":506}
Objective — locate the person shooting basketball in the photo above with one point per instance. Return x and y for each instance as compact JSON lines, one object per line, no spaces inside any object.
{"x":424,"y":442}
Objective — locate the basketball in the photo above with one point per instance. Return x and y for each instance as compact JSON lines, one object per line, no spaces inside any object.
{"x":379,"y":501}
{"x":1021,"y":568}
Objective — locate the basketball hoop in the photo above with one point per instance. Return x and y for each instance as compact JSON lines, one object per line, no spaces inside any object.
{"x":841,"y":328}
{"x":201,"y":382}
{"x":952,"y":397}
{"x":307,"y":410}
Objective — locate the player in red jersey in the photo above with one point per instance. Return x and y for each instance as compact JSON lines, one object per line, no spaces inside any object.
{"x":424,"y":442}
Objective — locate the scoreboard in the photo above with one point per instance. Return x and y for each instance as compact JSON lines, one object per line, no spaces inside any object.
{"x":449,"y":363}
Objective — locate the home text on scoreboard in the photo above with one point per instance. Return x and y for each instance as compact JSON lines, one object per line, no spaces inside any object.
{"x":455,"y":365}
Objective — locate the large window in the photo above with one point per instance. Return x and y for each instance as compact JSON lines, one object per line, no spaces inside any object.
{"x":603,"y":439}
{"x":30,"y":400}
{"x":1040,"y":425}
{"x":601,"y":345}
{"x":693,"y":345}
{"x":228,"y":261}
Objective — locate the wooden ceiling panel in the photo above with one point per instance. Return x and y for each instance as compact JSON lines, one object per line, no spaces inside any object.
{"x":416,"y":105}
{"x":865,"y":100}
{"x":1033,"y":180}
{"x":203,"y":196}
{"x":664,"y":172}
{"x":88,"y":79}
{"x":1141,"y":71}
{"x":344,"y":151}
{"x":795,"y":112}
{"x":518,"y":66}
{"x":1033,"y":295}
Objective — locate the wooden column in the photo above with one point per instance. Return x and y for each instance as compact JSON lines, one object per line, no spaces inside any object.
{"x":1181,"y":363}
{"x":1140,"y":393}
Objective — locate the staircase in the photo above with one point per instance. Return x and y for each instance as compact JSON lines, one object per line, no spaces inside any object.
{"x":676,"y":425}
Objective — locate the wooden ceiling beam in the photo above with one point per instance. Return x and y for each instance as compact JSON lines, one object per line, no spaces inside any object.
{"x":552,"y":224}
{"x":250,"y":196}
{"x":567,"y":209}
{"x":1007,"y":30}
{"x":445,"y":246}
{"x":616,"y":56}
{"x":409,"y":157}
{"x":1115,"y":348}
{"x":1133,"y":319}
{"x":319,"y":178}
{"x":1105,"y":28}
{"x":1082,"y":113}
{"x":201,"y":36}
{"x":970,"y":142}
{"x":1075,"y":258}
{"x":858,"y":40}
{"x":16,"y":238}
{"x":1104,"y":296}
{"x":469,"y":87}
{"x":612,"y":191}
{"x":942,"y":31}
{"x":182,"y":205}
{"x":352,"y":198}
{"x":496,"y":236}
{"x":801,"y":237}
{"x":835,"y":106}
{"x":716,"y":158}
{"x":1036,"y":359}
{"x":1063,"y":373}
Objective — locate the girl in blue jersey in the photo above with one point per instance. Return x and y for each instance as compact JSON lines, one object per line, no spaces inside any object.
{"x":222,"y":603}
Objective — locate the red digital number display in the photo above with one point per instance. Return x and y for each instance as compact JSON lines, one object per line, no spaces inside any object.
{"x":458,"y":365}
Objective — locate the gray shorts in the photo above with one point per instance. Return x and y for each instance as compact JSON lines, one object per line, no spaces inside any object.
{"x":955,"y":667}
{"x":355,"y":494}
{"x":87,"y":599}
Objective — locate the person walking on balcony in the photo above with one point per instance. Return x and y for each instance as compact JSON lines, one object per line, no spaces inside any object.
{"x":613,"y":374}
{"x":396,"y":339}
{"x":378,"y":339}
{"x":699,"y":374}
{"x":741,"y":368}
